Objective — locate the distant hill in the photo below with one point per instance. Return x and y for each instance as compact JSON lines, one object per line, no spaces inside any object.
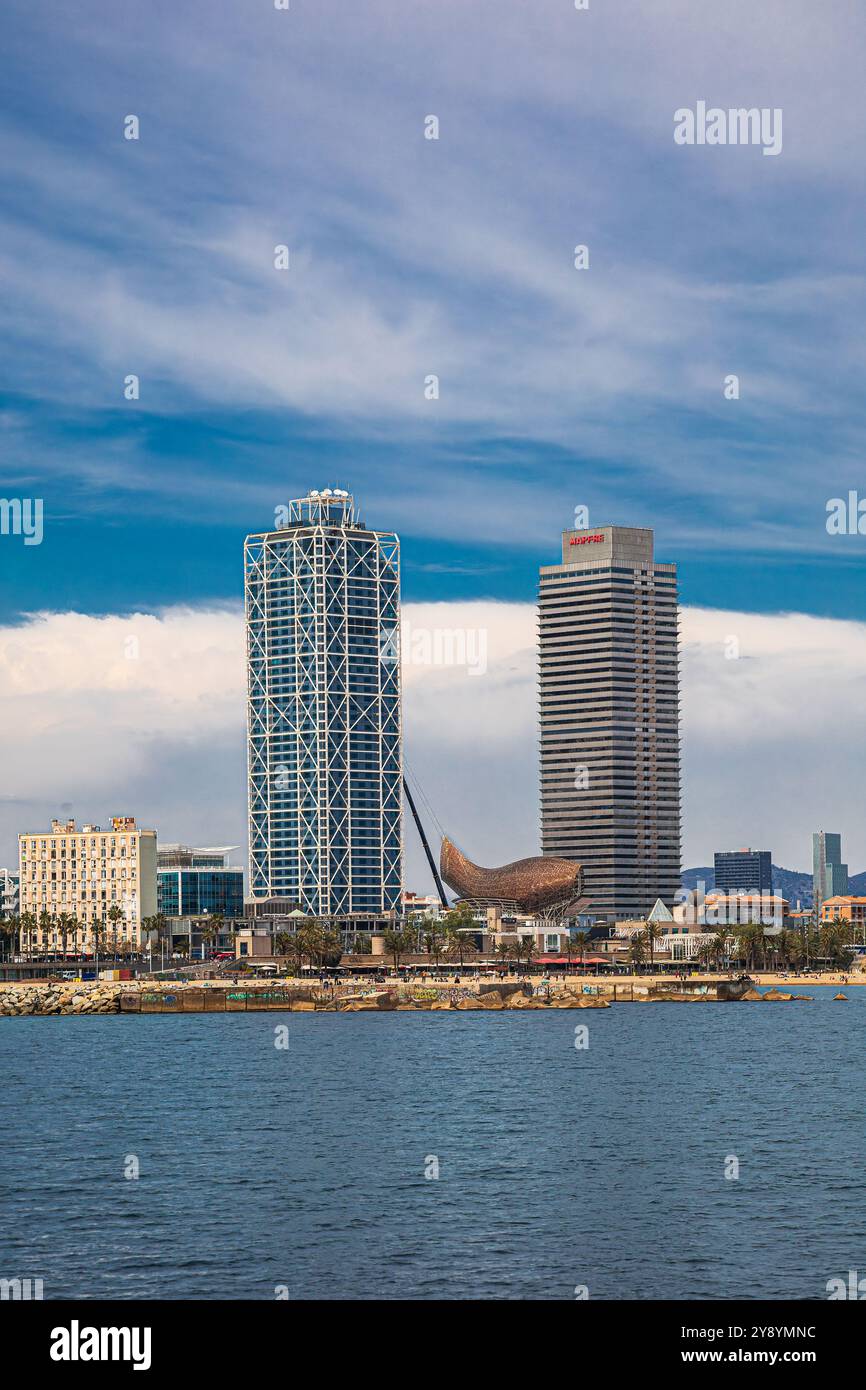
{"x":790,"y":883}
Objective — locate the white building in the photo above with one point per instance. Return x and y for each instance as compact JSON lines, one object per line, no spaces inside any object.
{"x":8,"y":893}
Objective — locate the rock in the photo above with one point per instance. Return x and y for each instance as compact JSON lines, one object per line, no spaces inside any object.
{"x":775,"y":995}
{"x":491,"y":1000}
{"x":840,"y":996}
{"x":752,"y":994}
{"x":466,"y":1004}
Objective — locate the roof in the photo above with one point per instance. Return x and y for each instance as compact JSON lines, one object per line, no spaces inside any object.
{"x":660,"y":913}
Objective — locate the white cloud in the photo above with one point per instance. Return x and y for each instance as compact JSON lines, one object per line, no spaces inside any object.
{"x":773,"y":743}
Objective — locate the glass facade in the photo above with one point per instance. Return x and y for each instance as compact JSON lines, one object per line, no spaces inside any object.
{"x":743,"y":871}
{"x":324,"y":719}
{"x":190,"y":892}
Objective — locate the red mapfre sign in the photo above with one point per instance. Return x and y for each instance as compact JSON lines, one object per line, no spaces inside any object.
{"x":584,"y":540}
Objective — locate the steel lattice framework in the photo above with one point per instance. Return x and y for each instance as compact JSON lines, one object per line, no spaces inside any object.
{"x":323,"y":711}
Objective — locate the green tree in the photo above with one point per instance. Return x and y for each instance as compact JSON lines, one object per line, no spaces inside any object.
{"x":11,"y":927}
{"x":398,"y":942}
{"x":27,"y":928}
{"x":652,"y":932}
{"x":637,"y":948}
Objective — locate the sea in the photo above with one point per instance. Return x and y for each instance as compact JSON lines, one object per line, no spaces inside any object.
{"x":645,"y":1151}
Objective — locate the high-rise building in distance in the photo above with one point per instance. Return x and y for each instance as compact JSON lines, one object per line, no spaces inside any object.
{"x":743,"y":871}
{"x":829,"y":874}
{"x":324,"y":719}
{"x":609,"y":718}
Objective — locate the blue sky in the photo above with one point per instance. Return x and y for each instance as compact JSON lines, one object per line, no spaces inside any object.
{"x":408,"y":257}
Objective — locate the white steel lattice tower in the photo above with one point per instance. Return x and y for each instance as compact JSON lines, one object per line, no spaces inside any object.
{"x":323,"y":711}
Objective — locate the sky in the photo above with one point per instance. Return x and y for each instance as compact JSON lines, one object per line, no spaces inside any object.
{"x":409,"y":257}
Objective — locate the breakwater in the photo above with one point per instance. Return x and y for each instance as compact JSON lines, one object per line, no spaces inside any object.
{"x":24,"y":999}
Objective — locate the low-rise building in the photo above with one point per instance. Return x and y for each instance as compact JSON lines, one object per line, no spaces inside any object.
{"x":421,"y":904}
{"x":9,"y":893}
{"x":844,"y":908}
{"x":193,"y":881}
{"x":80,"y":888}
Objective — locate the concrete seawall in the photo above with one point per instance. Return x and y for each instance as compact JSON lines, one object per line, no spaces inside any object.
{"x":29,"y":999}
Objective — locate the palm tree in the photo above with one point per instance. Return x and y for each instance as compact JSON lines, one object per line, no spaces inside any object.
{"x":397,"y":943}
{"x":433,"y":942}
{"x":524,"y":947}
{"x":11,"y":927}
{"x":706,"y":953}
{"x":652,"y":932}
{"x":63,"y":923}
{"x":720,"y":945}
{"x":580,"y":940}
{"x":637,"y":949}
{"x":46,"y":921}
{"x":459,"y":947}
{"x":115,"y":917}
{"x":28,"y":927}
{"x":503,"y":950}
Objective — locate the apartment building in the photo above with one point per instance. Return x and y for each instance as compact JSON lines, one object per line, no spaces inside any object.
{"x":71,"y":881}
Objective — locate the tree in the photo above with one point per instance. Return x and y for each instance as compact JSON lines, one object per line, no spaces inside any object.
{"x":46,"y":923}
{"x":580,"y":940}
{"x":637,"y":949}
{"x":397,"y":943}
{"x":503,"y":951}
{"x":11,"y":927}
{"x":706,"y":953}
{"x":652,"y":932}
{"x":115,"y":917}
{"x":459,"y":948}
{"x":433,"y":943}
{"x":28,"y":927}
{"x":524,"y":947}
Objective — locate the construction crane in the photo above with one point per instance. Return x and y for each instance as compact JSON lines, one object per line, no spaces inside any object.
{"x":430,"y":860}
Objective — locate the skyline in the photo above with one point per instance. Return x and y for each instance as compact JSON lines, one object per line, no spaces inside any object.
{"x":407,"y":257}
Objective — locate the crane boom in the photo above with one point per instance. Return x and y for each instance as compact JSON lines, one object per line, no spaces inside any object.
{"x":430,"y":860}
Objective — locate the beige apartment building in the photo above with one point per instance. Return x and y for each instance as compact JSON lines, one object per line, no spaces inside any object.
{"x":84,"y":874}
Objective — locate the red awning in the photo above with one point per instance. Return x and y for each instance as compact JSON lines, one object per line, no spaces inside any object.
{"x":575,"y":960}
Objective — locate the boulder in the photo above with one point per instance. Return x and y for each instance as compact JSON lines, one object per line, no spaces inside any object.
{"x":840,"y":996}
{"x":491,"y":1000}
{"x":752,"y":994}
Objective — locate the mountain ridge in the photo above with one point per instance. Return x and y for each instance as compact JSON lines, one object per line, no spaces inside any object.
{"x":790,"y":883}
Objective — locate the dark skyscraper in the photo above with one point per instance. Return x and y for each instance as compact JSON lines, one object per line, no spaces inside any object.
{"x":609,"y":717}
{"x":743,"y":871}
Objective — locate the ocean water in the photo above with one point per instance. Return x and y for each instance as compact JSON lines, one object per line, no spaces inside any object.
{"x":303,"y":1169}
